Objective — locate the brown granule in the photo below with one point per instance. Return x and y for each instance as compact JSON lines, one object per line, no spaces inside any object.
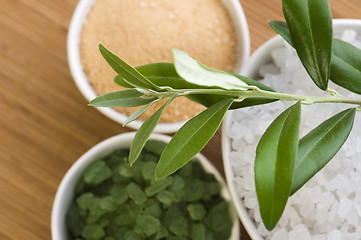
{"x":145,"y":31}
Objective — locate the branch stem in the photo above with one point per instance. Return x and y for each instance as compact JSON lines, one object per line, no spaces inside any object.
{"x":244,"y":94}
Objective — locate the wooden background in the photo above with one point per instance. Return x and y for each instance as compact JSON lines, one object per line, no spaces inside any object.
{"x":45,"y":124}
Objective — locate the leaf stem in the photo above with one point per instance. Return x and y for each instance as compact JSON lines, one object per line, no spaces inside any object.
{"x":259,"y":93}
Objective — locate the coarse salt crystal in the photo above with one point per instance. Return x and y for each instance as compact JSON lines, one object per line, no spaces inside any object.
{"x":300,"y":232}
{"x":345,"y":207}
{"x":334,"y":235}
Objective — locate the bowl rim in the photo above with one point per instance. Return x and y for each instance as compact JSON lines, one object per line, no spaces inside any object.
{"x":81,"y":81}
{"x":260,"y":56}
{"x":64,"y":194}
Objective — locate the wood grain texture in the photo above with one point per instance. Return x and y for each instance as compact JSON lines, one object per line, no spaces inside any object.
{"x":45,"y":124}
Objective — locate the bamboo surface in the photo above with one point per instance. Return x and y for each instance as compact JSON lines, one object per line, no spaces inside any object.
{"x":45,"y":123}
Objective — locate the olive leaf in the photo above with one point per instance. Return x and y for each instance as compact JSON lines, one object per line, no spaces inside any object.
{"x":310,"y":26}
{"x":319,"y":146}
{"x":121,"y":82}
{"x":144,"y":133}
{"x":194,"y":72}
{"x":191,"y":138}
{"x":346,"y":66}
{"x":274,"y":165}
{"x":139,"y":112}
{"x":282,"y":29}
{"x":125,"y":70}
{"x":124,"y":98}
{"x":165,"y":75}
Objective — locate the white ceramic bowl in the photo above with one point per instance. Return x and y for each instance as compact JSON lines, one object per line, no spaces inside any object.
{"x":79,"y":16}
{"x":65,"y":193}
{"x":261,"y":56}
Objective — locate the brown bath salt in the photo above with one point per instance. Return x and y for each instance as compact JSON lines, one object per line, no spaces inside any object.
{"x":146,"y":31}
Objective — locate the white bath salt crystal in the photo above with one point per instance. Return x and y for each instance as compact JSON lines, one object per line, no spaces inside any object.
{"x":248,"y":135}
{"x":350,"y":236}
{"x":352,"y":218}
{"x":321,"y":215}
{"x":280,"y":56}
{"x":257,"y":215}
{"x":269,"y":68}
{"x":249,"y":184}
{"x":349,"y":149}
{"x":236,"y":130}
{"x":236,"y":159}
{"x":295,"y":221}
{"x":250,"y":200}
{"x":357,"y":164}
{"x":300,"y":232}
{"x":280,"y":234}
{"x":358,"y":231}
{"x":309,"y":222}
{"x":307,"y":210}
{"x":333,"y":211}
{"x":319,"y":228}
{"x":358,"y":148}
{"x":247,"y":170}
{"x":339,"y":182}
{"x":327,"y":199}
{"x":345,"y":207}
{"x":348,"y":35}
{"x":238,"y":181}
{"x":345,"y":192}
{"x":344,"y":228}
{"x":320,"y":237}
{"x":334,"y":235}
{"x":316,"y":193}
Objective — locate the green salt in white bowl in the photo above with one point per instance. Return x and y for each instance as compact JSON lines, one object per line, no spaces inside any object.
{"x":66,"y":191}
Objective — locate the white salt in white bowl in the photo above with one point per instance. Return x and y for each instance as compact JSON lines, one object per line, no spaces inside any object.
{"x":65,"y":193}
{"x":260,"y":57}
{"x":243,"y":41}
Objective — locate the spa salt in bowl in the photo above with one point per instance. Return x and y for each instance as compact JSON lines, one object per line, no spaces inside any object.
{"x":328,"y":207}
{"x":148,"y":35}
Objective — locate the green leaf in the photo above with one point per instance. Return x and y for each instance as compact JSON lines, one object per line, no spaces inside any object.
{"x":191,"y":138}
{"x":125,"y":70}
{"x":165,"y":74}
{"x":121,"y":82}
{"x":196,"y":73}
{"x":310,"y":25}
{"x":282,"y":29}
{"x":124,"y":98}
{"x":144,"y":132}
{"x":274,"y":165}
{"x":346,"y":66}
{"x":319,"y":146}
{"x":139,"y":112}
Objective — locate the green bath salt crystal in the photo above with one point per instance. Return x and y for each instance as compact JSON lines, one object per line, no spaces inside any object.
{"x":93,"y":232}
{"x":147,"y":225}
{"x":97,"y":172}
{"x":196,"y":211}
{"x":198,"y":232}
{"x":136,"y":193}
